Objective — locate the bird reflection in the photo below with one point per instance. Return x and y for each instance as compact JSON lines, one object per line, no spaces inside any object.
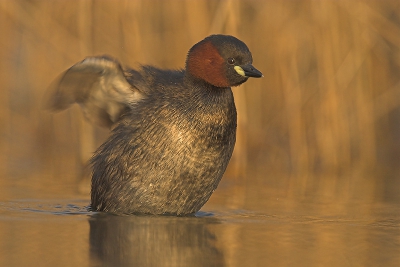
{"x":153,"y":241}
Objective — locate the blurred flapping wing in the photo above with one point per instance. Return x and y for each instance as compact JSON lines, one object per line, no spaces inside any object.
{"x":99,"y":86}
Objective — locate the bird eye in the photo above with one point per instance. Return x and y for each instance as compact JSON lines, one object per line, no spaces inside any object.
{"x":231,"y":60}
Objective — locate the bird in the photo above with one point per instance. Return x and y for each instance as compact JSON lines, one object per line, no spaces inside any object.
{"x":172,"y":131}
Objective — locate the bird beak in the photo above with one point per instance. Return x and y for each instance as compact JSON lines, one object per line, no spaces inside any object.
{"x":248,"y":71}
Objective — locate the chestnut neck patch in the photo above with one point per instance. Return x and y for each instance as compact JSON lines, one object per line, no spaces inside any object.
{"x":205,"y":62}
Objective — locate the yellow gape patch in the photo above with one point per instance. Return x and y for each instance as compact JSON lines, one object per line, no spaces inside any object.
{"x":239,"y":70}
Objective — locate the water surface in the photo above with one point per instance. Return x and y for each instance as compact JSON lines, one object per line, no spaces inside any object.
{"x":277,"y":232}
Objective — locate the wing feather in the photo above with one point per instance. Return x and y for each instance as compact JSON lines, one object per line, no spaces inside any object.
{"x":99,"y":86}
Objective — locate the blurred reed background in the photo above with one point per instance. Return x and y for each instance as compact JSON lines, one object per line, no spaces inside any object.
{"x":324,"y":121}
